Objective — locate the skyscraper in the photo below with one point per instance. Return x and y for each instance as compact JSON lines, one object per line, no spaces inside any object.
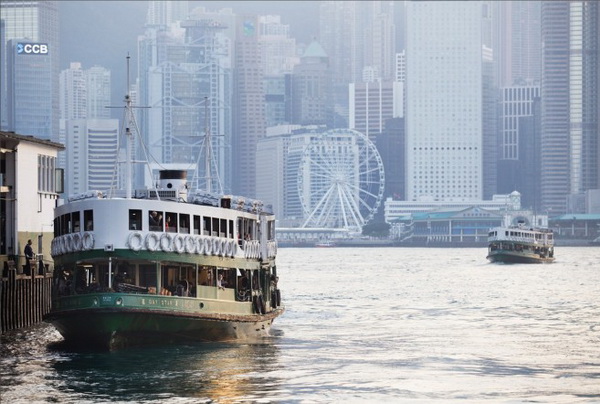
{"x":34,"y":22}
{"x":30,"y":86}
{"x":444,"y":111}
{"x":249,"y":105}
{"x":570,"y":75}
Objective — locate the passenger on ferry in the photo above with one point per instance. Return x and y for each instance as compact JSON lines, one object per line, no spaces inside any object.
{"x":220,"y":282}
{"x":155,"y":221}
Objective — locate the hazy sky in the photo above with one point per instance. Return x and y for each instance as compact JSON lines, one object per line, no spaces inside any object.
{"x":103,"y":32}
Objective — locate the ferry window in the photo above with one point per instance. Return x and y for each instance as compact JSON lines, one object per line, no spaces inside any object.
{"x":197,"y":229}
{"x":56,"y":227}
{"x":88,"y":220}
{"x":231,"y":229}
{"x":171,"y":222}
{"x":207,"y":225}
{"x":76,"y":222}
{"x":215,"y":226}
{"x":148,"y":276}
{"x":155,"y":220}
{"x":135,"y":219}
{"x":271,"y":230}
{"x":66,"y":223}
{"x":184,"y":224}
{"x":223,"y":228}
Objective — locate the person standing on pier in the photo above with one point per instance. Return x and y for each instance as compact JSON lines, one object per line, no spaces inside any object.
{"x":28,"y":257}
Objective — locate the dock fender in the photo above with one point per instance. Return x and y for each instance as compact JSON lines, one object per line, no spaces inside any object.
{"x":135,"y":240}
{"x":152,"y":241}
{"x":87,"y":241}
{"x":190,"y":244}
{"x":178,"y":243}
{"x":166,"y":242}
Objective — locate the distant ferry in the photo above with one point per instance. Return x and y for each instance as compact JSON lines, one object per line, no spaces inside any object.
{"x":520,"y":244}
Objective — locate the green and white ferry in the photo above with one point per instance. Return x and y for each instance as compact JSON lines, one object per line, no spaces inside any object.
{"x":163,"y":265}
{"x":520,"y":244}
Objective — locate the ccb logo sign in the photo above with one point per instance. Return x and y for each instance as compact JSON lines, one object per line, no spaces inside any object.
{"x":32,"y":48}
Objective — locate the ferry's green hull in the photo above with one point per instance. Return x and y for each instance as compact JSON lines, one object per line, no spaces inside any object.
{"x":515,"y":257}
{"x":115,"y":320}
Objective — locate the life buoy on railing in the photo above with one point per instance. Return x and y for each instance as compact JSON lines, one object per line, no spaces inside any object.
{"x":190,"y":244}
{"x":152,"y":241}
{"x":76,"y":241}
{"x":178,"y":242}
{"x":216,"y":246}
{"x":227,"y":248}
{"x":68,"y":243}
{"x":87,"y":241}
{"x":223,"y":247}
{"x":166,"y":242}
{"x":207,"y":246}
{"x":59,"y":250}
{"x":135,"y":240}
{"x":246,"y":245}
{"x":199,"y":245}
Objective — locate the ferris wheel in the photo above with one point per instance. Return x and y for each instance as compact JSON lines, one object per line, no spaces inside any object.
{"x":340,"y":180}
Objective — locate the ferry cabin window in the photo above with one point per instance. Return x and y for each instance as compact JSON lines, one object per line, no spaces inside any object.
{"x":271,"y":230}
{"x":135,"y":219}
{"x":171,"y":222}
{"x":155,"y":220}
{"x":184,"y":224}
{"x":206,"y":225}
{"x":88,"y":220}
{"x":197,"y":228}
{"x":66,"y":223}
{"x":231,"y":229}
{"x":215,"y":226}
{"x":223,"y":228}
{"x":76,"y":222}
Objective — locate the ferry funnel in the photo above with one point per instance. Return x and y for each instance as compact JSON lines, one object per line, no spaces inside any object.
{"x":174,"y":180}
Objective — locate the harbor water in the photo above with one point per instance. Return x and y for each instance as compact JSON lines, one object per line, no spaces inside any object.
{"x":406,"y":325}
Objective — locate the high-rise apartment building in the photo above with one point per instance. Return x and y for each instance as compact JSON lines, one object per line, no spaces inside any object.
{"x":516,"y":42}
{"x":570,"y":75}
{"x":91,"y":152}
{"x":357,"y":36}
{"x":98,"y":81}
{"x":373,"y":103}
{"x":249,"y":104}
{"x":311,"y":88}
{"x":185,"y":81}
{"x":445,"y":98}
{"x":32,"y":22}
{"x":73,"y":94}
{"x":30,"y":85}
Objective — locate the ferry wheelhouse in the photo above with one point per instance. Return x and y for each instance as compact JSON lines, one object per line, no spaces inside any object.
{"x":520,"y":244}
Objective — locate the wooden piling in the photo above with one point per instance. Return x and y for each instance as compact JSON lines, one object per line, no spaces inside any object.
{"x":24,"y":299}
